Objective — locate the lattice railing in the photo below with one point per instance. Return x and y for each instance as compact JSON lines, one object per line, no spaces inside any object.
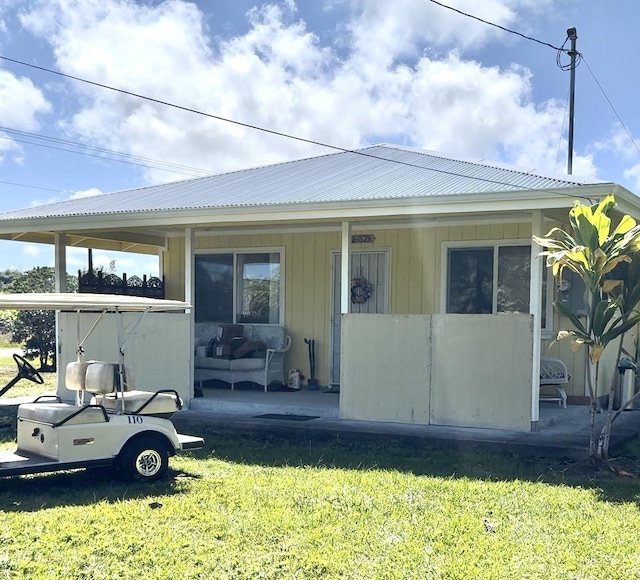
{"x":100,"y":283}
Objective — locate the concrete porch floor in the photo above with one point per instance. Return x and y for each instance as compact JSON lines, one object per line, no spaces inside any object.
{"x":560,"y":432}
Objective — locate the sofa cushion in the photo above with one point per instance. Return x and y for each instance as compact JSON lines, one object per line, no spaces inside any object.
{"x":273,"y":335}
{"x":208,"y":362}
{"x":246,"y":364}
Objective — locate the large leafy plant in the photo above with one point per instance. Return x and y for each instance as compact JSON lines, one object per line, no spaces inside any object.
{"x":605,"y":257}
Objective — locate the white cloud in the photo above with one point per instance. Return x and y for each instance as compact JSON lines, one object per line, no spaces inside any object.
{"x":32,"y":251}
{"x":20,"y":104}
{"x":622,"y":146}
{"x":382,"y":30}
{"x":91,"y":192}
{"x":279,"y":76}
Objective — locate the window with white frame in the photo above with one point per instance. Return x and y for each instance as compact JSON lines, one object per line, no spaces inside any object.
{"x":239,"y":287}
{"x":492,"y":278}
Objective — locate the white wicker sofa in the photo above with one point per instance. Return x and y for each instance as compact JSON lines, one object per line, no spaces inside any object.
{"x":264,"y":369}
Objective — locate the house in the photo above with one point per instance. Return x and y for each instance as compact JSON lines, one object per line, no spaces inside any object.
{"x":447,"y":308}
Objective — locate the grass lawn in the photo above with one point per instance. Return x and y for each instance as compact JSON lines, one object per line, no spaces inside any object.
{"x":265,"y":508}
{"x":9,"y":369}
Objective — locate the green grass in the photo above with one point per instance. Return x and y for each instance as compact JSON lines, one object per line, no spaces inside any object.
{"x":8,"y":370}
{"x":265,"y":508}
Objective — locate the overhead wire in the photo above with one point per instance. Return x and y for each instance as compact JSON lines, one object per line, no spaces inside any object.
{"x":570,"y":65}
{"x":612,"y":107}
{"x":32,"y":186}
{"x":503,"y":28}
{"x":272,"y":131}
{"x":157,"y":164}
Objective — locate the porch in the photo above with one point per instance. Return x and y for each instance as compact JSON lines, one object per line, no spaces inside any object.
{"x":254,"y":401}
{"x":322,"y":404}
{"x":313,"y":415}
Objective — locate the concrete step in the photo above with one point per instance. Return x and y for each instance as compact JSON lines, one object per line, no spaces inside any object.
{"x":253,"y":406}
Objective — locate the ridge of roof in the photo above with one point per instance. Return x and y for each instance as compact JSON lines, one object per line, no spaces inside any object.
{"x":574,"y":179}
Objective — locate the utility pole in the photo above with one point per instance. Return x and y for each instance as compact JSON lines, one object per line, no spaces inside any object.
{"x":572,"y":34}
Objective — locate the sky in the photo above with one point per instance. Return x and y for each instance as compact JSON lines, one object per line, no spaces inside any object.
{"x":347,"y":73}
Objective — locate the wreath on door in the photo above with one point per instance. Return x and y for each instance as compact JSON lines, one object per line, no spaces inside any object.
{"x":360,"y":290}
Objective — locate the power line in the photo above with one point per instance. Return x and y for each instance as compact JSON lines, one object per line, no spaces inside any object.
{"x":157,"y":164}
{"x":562,"y":50}
{"x":32,"y":186}
{"x":612,"y":107}
{"x":272,"y":131}
{"x":97,"y":156}
{"x":531,"y":38}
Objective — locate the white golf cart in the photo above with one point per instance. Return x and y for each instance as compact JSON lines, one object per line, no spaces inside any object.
{"x":110,"y":424}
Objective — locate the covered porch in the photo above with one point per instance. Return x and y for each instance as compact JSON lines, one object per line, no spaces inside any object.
{"x":305,"y":405}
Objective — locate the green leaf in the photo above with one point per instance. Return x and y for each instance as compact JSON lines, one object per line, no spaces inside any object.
{"x":603,"y":313}
{"x":626,"y":224}
{"x":587,"y":232}
{"x":564,"y":311}
{"x":613,"y":262}
{"x":612,"y":333}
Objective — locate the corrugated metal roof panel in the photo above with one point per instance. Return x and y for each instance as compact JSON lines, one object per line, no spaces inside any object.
{"x":381,"y":172}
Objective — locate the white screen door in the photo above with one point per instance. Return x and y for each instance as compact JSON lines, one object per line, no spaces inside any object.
{"x":371,"y":266}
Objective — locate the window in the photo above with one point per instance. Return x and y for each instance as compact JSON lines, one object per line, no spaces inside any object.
{"x":492,"y":279}
{"x":238,"y":287}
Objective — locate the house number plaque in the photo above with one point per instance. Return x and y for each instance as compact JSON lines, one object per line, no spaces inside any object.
{"x":363,"y":239}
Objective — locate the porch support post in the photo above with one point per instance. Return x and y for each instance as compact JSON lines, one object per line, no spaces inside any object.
{"x":188,"y":265}
{"x":535,"y":308}
{"x":345,"y":268}
{"x":60,"y":285}
{"x":189,"y":296}
{"x":60,"y":262}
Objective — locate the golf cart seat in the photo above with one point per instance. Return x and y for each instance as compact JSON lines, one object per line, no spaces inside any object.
{"x":162,"y":403}
{"x":102,"y":379}
{"x":57,"y":414}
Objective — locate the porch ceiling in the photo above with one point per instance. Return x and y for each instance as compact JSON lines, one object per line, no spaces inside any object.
{"x":120,"y":241}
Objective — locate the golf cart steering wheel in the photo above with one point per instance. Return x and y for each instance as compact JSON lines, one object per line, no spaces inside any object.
{"x":26,"y":371}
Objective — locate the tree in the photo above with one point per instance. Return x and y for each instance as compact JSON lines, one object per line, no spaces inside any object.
{"x":608,"y":263}
{"x":37,"y":328}
{"x":7,"y":277}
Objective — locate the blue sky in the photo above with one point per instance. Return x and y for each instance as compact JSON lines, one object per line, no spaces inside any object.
{"x":344,"y":72}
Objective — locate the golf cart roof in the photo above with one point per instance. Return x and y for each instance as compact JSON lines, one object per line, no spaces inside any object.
{"x":87,"y":301}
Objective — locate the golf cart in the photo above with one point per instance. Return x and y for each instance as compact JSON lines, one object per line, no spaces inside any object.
{"x":110,"y":424}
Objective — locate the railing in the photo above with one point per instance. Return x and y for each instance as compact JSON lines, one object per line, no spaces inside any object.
{"x":99,"y":283}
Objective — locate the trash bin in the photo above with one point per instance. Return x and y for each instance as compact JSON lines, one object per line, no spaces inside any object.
{"x":627,"y":369}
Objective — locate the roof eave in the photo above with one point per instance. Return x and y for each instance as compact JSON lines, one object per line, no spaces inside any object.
{"x":105,"y":226}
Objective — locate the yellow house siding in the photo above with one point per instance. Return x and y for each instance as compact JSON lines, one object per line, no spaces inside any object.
{"x":401,"y":281}
{"x":173,"y":264}
{"x":307,"y":285}
{"x":415,"y":284}
{"x":430,"y":264}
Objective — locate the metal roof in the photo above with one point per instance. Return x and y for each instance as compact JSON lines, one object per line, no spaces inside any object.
{"x":380,"y":172}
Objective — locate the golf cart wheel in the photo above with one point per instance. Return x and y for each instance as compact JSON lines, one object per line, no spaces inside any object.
{"x":144,"y":459}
